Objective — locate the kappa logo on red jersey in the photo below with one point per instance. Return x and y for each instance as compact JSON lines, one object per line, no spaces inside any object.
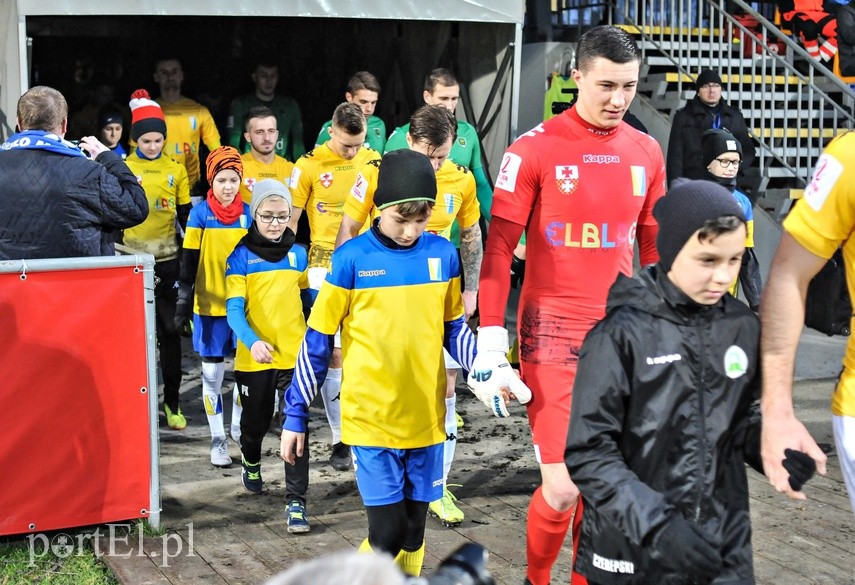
{"x":567,"y":178}
{"x":326,"y":180}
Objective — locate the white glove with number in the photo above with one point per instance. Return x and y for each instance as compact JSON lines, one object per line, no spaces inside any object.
{"x":491,"y":372}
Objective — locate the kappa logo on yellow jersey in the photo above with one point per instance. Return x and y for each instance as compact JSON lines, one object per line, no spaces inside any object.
{"x":435,"y":269}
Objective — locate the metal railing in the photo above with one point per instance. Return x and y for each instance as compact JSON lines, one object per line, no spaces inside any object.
{"x":791,"y":112}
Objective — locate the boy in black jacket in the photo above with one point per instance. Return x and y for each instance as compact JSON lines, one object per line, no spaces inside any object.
{"x":662,"y":417}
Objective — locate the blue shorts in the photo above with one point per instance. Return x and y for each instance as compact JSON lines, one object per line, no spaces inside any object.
{"x":212,"y":336}
{"x":387,"y":476}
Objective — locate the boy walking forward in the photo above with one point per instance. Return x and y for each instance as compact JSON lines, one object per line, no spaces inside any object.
{"x":395,"y":292}
{"x":663,"y":415}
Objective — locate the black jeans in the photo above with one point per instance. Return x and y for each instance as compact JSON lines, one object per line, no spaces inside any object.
{"x":257,"y":391}
{"x":168,"y":339}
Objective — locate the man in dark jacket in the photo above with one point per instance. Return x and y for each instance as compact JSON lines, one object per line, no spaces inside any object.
{"x":54,"y":201}
{"x":705,"y":111}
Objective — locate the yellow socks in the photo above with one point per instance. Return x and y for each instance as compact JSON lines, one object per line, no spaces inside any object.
{"x":411,"y":562}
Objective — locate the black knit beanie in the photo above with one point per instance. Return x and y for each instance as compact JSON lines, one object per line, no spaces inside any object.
{"x":684,"y":210}
{"x":716,"y":142}
{"x":405,"y":175}
{"x":707,"y":76}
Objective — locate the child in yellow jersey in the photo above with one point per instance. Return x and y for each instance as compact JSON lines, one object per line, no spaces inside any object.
{"x":168,"y":193}
{"x":213,"y":229}
{"x":320,"y":183}
{"x":265,"y":282}
{"x":393,"y":387}
{"x":432,"y":131}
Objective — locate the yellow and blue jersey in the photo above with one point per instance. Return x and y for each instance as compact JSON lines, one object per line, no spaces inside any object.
{"x":397,"y":308}
{"x":215,"y":242}
{"x":166,"y":187}
{"x":263,"y":300}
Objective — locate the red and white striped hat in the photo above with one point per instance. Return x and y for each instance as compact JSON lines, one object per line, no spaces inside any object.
{"x":146,"y":115}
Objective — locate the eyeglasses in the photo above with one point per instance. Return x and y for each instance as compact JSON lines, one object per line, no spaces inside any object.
{"x":726,"y":163}
{"x":269,"y":218}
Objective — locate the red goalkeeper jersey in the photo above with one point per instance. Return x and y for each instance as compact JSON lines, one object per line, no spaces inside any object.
{"x":583,"y":194}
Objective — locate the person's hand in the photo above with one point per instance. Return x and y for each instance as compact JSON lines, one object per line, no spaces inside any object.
{"x":779,"y":433}
{"x":183,"y":307}
{"x":491,"y":379}
{"x":291,"y":446}
{"x":685,"y":550}
{"x":92,"y":147}
{"x":470,"y":303}
{"x":517,"y":271}
{"x":262,"y":352}
{"x":800,"y":466}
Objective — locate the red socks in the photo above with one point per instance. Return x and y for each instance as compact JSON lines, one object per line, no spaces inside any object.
{"x":547,"y":528}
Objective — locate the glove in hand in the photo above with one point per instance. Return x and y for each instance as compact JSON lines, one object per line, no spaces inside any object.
{"x":685,"y":550}
{"x":491,"y":372}
{"x":800,"y":466}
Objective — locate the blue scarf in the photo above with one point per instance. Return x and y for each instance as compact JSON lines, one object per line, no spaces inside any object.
{"x":41,"y":140}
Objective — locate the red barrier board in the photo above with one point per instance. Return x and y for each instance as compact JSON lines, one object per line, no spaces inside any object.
{"x":75,"y":421}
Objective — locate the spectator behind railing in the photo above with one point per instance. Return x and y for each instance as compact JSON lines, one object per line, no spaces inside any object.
{"x":54,"y":201}
{"x":846,"y":39}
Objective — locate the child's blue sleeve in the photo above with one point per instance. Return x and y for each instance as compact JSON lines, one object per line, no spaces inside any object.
{"x":460,"y":342}
{"x":307,"y":297}
{"x":309,"y":374}
{"x":236,"y":317}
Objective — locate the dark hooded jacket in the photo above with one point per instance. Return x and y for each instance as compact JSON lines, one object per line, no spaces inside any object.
{"x":664,"y":419}
{"x":685,"y":158}
{"x":56,"y":206}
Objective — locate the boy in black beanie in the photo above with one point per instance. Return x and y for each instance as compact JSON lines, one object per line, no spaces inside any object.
{"x":395,"y":293}
{"x":663,"y":417}
{"x":722,"y":154}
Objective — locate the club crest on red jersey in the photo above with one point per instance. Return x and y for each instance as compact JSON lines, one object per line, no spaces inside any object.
{"x":326,"y":179}
{"x":567,"y":178}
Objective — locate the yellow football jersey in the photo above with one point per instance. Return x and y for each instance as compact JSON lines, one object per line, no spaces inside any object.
{"x":320,"y":183}
{"x":188,"y":124}
{"x":254,"y":171}
{"x":455,"y":198}
{"x":166,"y":187}
{"x":823,"y":221}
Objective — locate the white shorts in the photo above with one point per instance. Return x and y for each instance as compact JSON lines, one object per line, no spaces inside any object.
{"x":450,"y":364}
{"x":844,"y":439}
{"x":337,"y":339}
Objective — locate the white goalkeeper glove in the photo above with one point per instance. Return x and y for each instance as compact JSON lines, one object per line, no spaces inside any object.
{"x":491,"y":372}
